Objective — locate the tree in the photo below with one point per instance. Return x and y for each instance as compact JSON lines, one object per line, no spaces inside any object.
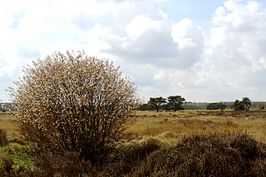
{"x":144,"y":107}
{"x":176,"y":102}
{"x":243,"y":105}
{"x":215,"y":106}
{"x":157,"y":102}
{"x":73,"y":102}
{"x":246,"y":103}
{"x":237,"y":106}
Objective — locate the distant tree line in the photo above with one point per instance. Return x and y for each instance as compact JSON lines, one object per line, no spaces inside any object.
{"x":178,"y":103}
{"x":4,"y":107}
{"x":159,"y":103}
{"x":243,"y":105}
{"x":216,"y":106}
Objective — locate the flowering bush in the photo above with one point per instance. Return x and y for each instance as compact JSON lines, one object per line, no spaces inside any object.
{"x":73,"y":103}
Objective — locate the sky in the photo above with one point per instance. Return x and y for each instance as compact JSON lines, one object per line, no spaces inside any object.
{"x":204,"y":50}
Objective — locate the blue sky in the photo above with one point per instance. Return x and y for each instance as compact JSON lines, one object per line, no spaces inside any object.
{"x":203,"y":50}
{"x":200,"y":11}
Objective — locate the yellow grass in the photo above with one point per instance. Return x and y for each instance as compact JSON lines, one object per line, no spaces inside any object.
{"x":170,"y":127}
{"x":8,"y":123}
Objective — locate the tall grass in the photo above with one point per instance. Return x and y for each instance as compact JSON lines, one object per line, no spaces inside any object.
{"x":10,"y":125}
{"x":3,"y":138}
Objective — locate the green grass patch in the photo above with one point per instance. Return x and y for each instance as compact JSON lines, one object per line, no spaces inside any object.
{"x":20,"y":154}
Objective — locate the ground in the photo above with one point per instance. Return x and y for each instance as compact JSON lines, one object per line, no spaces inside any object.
{"x":171,"y":127}
{"x":168,"y":127}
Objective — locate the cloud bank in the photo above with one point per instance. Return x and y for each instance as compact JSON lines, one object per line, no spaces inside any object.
{"x":164,"y":55}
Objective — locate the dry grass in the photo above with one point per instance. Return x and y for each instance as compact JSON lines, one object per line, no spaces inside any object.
{"x":3,"y":138}
{"x":219,"y":155}
{"x":154,"y":132}
{"x":9,"y":124}
{"x":171,"y":127}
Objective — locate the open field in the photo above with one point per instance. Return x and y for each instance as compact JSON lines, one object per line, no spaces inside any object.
{"x":171,"y":127}
{"x":8,"y":123}
{"x":15,"y":153}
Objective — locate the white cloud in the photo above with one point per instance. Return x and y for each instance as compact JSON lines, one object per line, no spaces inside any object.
{"x":235,"y":52}
{"x":163,"y":53}
{"x":186,"y":34}
{"x":141,"y":24}
{"x":32,"y":29}
{"x":160,"y":42}
{"x":231,"y":66}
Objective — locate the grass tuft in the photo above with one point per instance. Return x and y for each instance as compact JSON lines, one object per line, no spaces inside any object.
{"x":127,"y":157}
{"x":3,"y":138}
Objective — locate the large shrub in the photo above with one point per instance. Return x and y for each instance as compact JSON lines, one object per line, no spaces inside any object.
{"x":73,"y":103}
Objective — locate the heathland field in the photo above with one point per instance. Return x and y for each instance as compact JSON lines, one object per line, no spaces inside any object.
{"x":171,"y":127}
{"x":9,"y":123}
{"x":152,"y":131}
